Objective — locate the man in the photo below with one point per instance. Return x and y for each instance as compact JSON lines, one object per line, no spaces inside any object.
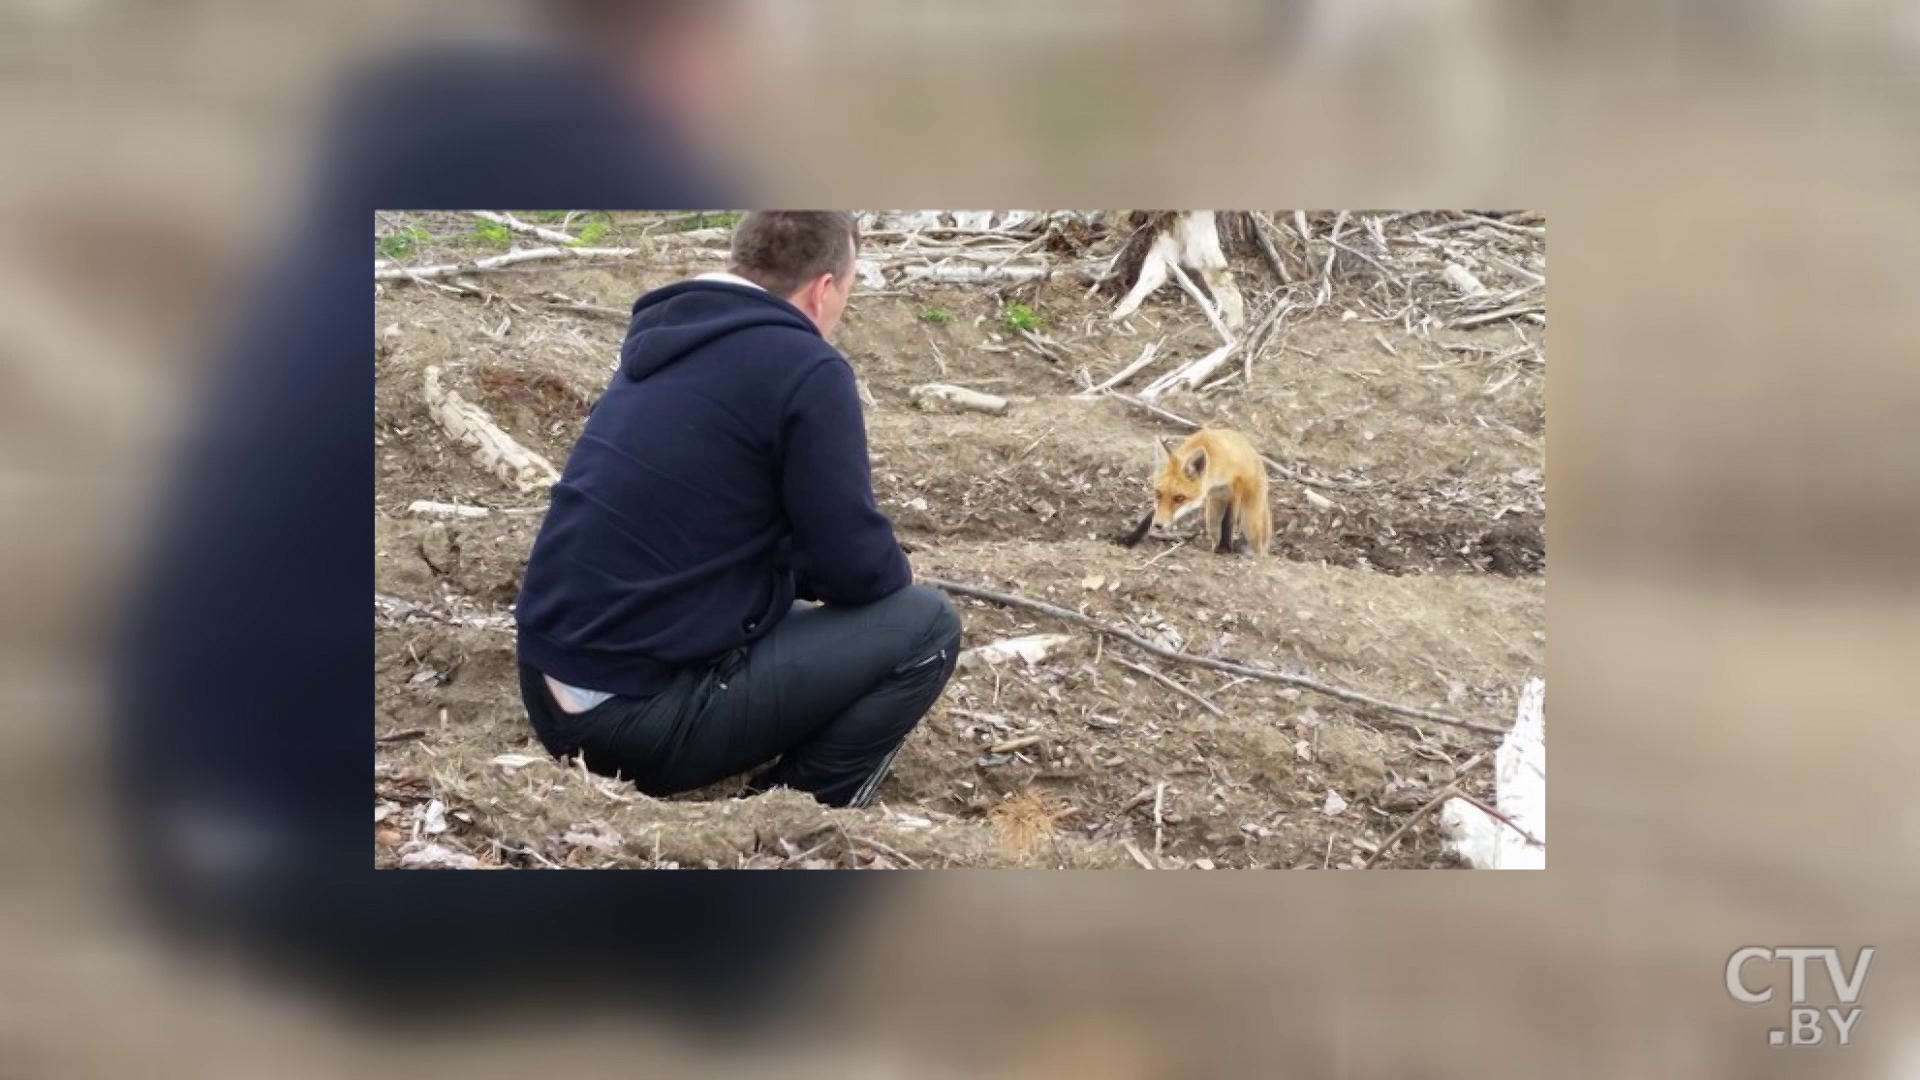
{"x":239,"y":741}
{"x":723,"y":474}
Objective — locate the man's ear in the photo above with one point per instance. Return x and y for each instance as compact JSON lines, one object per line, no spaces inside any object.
{"x":1197,"y":464}
{"x":815,"y":290}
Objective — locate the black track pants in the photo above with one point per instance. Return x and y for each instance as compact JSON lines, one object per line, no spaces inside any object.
{"x":830,"y":691}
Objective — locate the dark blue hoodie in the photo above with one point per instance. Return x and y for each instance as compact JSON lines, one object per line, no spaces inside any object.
{"x":723,"y":473}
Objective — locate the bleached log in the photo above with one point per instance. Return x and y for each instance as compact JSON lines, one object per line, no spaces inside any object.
{"x":974,"y":275}
{"x":388,"y":272}
{"x":959,"y":397}
{"x":469,"y":426}
{"x":551,"y":236}
{"x":1192,"y":375}
{"x":1147,"y":356}
{"x":1030,"y":650}
{"x":440,"y":509}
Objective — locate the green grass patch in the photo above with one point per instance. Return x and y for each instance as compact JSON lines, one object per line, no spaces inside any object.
{"x":1022,"y":317}
{"x":401,"y":244}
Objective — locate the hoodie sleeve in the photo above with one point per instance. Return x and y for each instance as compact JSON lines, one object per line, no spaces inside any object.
{"x":844,"y":551}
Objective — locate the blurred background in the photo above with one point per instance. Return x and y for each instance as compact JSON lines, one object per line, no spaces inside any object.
{"x":183,"y":449}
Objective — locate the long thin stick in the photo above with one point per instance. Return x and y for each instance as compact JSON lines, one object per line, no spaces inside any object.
{"x":1267,"y":248}
{"x":1138,"y":642}
{"x":1333,"y":249}
{"x":1171,"y":685}
{"x":1524,"y":230}
{"x":1147,"y":356}
{"x":1200,"y":298}
{"x":1498,"y":816}
{"x":1445,"y":793}
{"x":881,"y":848}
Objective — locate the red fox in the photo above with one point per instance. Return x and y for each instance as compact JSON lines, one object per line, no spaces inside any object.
{"x":1217,"y":470}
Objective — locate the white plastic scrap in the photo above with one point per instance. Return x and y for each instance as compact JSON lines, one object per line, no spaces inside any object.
{"x":1520,"y":792}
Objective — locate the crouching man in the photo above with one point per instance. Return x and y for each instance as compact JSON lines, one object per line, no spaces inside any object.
{"x":722,"y":477}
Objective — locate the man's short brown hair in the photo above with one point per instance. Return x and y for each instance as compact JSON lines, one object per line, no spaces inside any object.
{"x":781,"y":250}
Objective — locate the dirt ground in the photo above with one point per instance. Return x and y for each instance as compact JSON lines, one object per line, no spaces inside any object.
{"x":1424,"y":583}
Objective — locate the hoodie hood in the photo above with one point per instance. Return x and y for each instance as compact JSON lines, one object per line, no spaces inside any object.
{"x":671,"y":322}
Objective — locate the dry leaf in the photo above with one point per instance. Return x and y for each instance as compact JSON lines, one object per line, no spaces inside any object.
{"x":1335,"y":805}
{"x":434,"y":820}
{"x":511,"y":762}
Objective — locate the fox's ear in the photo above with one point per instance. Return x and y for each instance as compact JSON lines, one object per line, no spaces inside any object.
{"x":1197,"y":464}
{"x":1169,"y":446}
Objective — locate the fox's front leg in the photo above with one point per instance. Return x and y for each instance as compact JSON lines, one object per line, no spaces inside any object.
{"x":1139,"y":532}
{"x":1220,"y":523}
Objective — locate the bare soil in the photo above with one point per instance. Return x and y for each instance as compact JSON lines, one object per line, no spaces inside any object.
{"x":1424,"y":584}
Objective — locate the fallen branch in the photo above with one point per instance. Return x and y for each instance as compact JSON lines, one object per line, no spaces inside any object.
{"x":401,"y":736}
{"x":494,"y":450}
{"x":1192,"y":374}
{"x":1267,"y":249}
{"x":1413,"y":818}
{"x":1147,"y":356}
{"x":881,"y":849}
{"x":1333,"y":249}
{"x":1197,"y":372}
{"x":1050,"y":350}
{"x":1495,"y":316}
{"x":564,"y":302}
{"x":1524,"y":230}
{"x":551,"y":236}
{"x":1500,"y":817}
{"x":1391,"y":277}
{"x":1200,"y":298}
{"x":1138,"y":642}
{"x":499,"y":262}
{"x":1171,"y":685}
{"x":959,"y":397}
